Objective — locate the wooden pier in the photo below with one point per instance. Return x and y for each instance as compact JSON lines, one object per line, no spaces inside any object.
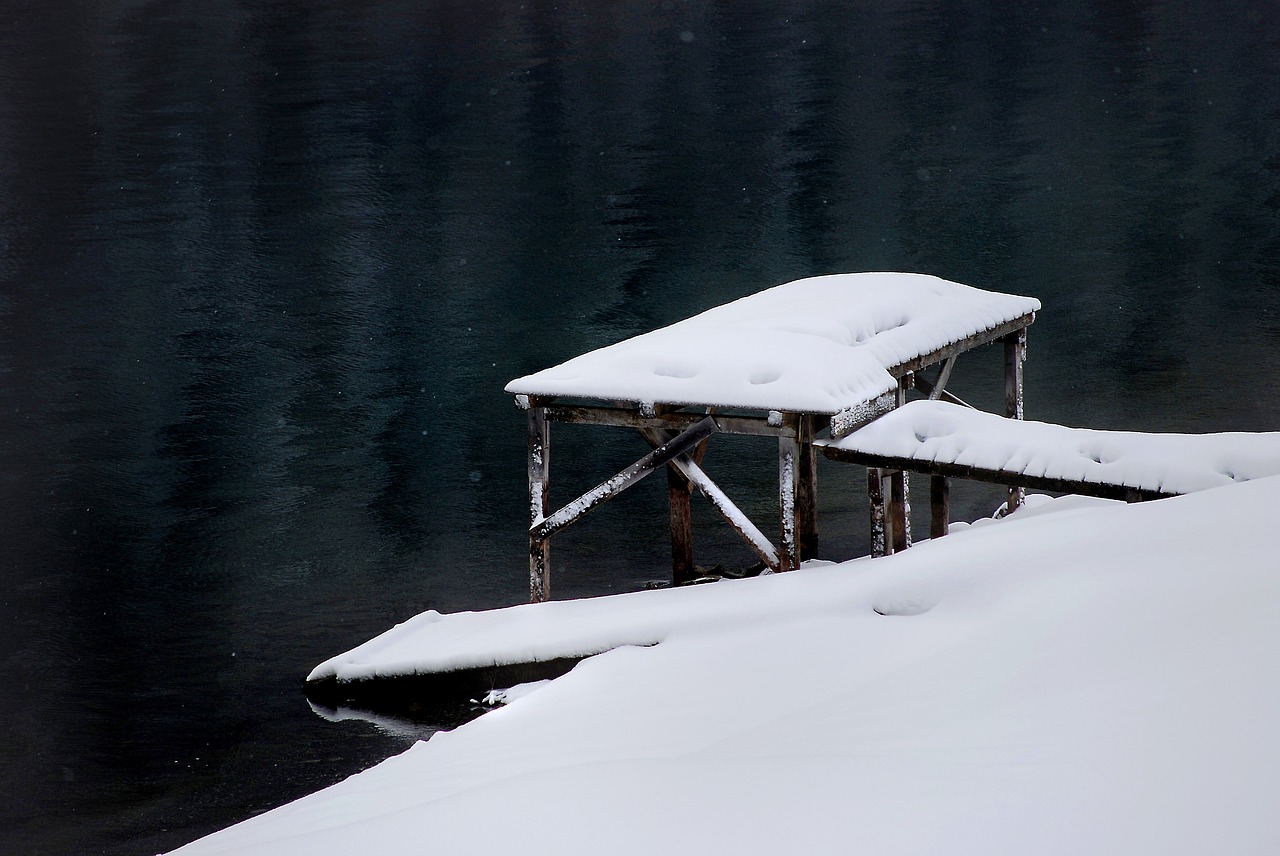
{"x":824,"y":364}
{"x":821,"y":355}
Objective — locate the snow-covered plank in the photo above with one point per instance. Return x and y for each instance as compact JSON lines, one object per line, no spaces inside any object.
{"x":933,"y":436}
{"x":819,"y":345}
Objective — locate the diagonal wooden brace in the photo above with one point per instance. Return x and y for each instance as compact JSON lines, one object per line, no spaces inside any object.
{"x":935,"y":392}
{"x":740,"y":523}
{"x":944,"y":374}
{"x":658,"y":458}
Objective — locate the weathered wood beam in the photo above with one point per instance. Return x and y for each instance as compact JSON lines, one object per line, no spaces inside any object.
{"x":939,"y":506}
{"x":627,"y":417}
{"x":807,"y":489}
{"x":539,"y":478}
{"x":984,"y":337}
{"x":739,"y":522}
{"x":1015,"y":356}
{"x":944,"y":375}
{"x":881,"y":543}
{"x":610,"y":488}
{"x":851,"y":419}
{"x":990,"y":476}
{"x":900,"y":511}
{"x":679,"y":494}
{"x":788,"y":465}
{"x":678,"y":503}
{"x":900,"y":491}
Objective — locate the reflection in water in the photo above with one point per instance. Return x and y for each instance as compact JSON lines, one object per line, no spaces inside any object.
{"x":265,"y":268}
{"x":399,"y":727}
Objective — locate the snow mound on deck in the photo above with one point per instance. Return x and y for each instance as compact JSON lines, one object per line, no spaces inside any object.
{"x":816,"y":345}
{"x":1103,"y":681}
{"x":1169,"y":463}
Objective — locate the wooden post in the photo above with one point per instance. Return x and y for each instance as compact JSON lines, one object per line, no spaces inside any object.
{"x":900,"y":511}
{"x":900,"y":492}
{"x":1015,"y":355}
{"x":939,"y":505}
{"x":788,"y":464}
{"x":881,"y":544}
{"x":944,"y":375}
{"x":678,"y":500}
{"x":807,"y":489}
{"x":679,"y":493}
{"x":539,"y":476}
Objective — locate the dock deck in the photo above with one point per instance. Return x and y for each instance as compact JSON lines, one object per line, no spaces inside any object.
{"x":787,"y":363}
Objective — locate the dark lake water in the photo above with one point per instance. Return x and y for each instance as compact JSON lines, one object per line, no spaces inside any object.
{"x":265,"y":268}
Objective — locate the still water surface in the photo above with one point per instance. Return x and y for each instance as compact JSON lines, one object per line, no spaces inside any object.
{"x":265,"y":268}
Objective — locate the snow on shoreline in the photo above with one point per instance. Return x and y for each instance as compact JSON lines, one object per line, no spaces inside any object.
{"x":1097,"y":681}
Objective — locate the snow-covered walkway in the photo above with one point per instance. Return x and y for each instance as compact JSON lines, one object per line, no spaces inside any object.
{"x":935,"y":432}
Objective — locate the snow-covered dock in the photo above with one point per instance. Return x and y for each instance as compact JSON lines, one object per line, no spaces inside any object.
{"x":846,"y":349}
{"x":944,"y":441}
{"x":784,"y":363}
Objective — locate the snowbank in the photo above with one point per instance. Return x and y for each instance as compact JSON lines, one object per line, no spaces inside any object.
{"x":816,"y":345}
{"x":1102,"y":680}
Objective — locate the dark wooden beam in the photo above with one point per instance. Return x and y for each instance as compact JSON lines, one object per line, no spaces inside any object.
{"x":679,"y":494}
{"x":900,"y":490}
{"x":851,"y":419}
{"x":899,"y":511}
{"x":1015,"y":355}
{"x":989,"y":476}
{"x":539,"y":478}
{"x":940,"y":384}
{"x":807,"y":490}
{"x":985,"y":337}
{"x":678,"y":503}
{"x":881,"y":542}
{"x":630,"y":417}
{"x":939,"y":506}
{"x":788,"y":467}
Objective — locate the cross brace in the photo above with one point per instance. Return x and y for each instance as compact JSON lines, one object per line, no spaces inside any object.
{"x":606,"y":490}
{"x":740,"y":523}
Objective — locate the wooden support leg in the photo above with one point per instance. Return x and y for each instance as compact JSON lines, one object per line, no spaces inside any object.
{"x":678,"y":498}
{"x":900,"y":514}
{"x":539,"y":472}
{"x":788,"y":460}
{"x":900,"y":493}
{"x":881,"y":544}
{"x":1015,"y":355}
{"x":807,"y":490}
{"x":939,"y":505}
